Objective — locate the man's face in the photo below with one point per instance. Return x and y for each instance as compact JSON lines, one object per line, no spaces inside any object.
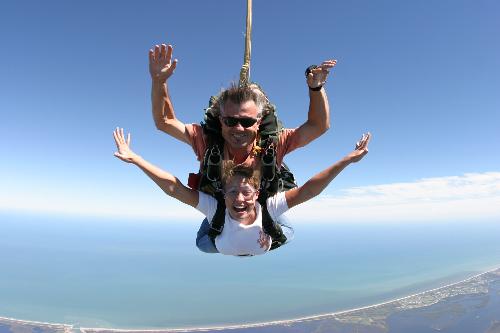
{"x":237,"y":136}
{"x":240,"y":199}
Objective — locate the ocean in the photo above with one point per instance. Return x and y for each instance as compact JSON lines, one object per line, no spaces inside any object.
{"x":149,"y":274}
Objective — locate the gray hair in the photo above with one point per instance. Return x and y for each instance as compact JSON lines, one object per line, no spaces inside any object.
{"x":240,"y":94}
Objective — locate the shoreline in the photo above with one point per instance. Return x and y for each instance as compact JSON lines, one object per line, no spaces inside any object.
{"x":287,"y":321}
{"x":332,"y":315}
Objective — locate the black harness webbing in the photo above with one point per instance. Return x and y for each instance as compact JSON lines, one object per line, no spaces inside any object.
{"x":217,"y":223}
{"x":271,"y":227}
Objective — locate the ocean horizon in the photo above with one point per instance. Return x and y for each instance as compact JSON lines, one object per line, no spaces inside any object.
{"x":149,"y":274}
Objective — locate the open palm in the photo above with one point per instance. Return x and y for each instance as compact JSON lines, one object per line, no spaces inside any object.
{"x":124,"y":152}
{"x":318,"y":75}
{"x":361,"y":148}
{"x":161,"y":66}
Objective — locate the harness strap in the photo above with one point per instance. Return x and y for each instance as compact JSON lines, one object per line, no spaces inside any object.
{"x":217,"y":223}
{"x":268,"y":161}
{"x":271,"y":227}
{"x":214,"y":160}
{"x":210,"y":181}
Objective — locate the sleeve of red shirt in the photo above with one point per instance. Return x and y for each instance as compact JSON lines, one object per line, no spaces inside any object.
{"x":194,"y":133}
{"x":288,"y":142}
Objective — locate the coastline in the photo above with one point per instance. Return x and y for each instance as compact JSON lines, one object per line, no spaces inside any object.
{"x":474,"y":284}
{"x":55,"y":327}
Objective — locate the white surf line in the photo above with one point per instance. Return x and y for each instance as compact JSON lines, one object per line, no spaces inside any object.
{"x":35,"y":323}
{"x":281,"y":322}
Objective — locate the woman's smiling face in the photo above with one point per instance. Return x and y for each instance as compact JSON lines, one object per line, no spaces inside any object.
{"x":240,"y":198}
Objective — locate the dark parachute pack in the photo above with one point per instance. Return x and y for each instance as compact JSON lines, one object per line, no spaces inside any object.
{"x":274,"y":178}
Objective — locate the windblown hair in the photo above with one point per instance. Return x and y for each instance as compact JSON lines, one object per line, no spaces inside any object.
{"x":231,"y":170}
{"x":240,"y":94}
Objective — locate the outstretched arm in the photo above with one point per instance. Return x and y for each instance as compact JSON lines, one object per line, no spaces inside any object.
{"x":319,"y":182}
{"x":318,"y":117}
{"x":166,"y":181}
{"x":161,"y":67}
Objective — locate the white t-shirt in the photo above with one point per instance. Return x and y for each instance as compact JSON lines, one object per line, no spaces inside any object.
{"x":239,"y":239}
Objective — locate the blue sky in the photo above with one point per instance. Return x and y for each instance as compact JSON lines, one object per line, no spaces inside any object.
{"x":423,"y":77}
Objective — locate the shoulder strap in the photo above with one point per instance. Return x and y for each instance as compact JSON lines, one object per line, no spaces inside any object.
{"x":268,"y":160}
{"x":211,"y":169}
{"x":270,"y":126}
{"x":217,"y":223}
{"x":211,"y":166}
{"x":271,"y":227}
{"x":274,"y":178}
{"x":210,"y":119}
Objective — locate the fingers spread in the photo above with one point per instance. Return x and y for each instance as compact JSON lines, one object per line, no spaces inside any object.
{"x":368,"y":138}
{"x":364,"y":141}
{"x":173,"y":66}
{"x":115,"y":136}
{"x":118,"y":135}
{"x":169,"y":52}
{"x":330,"y":63}
{"x":157,"y":52}
{"x":163,"y":51}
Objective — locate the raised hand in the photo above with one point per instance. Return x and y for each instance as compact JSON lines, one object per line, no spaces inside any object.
{"x":161,"y":66}
{"x":318,"y":75}
{"x":124,"y":152}
{"x":361,"y":148}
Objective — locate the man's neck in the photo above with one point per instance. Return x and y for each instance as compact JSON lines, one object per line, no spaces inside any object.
{"x":239,"y":155}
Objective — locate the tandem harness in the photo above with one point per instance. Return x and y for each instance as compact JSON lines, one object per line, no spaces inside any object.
{"x":273,"y":179}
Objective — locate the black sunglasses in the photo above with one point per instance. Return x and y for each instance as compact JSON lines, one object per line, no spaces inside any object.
{"x":244,"y":121}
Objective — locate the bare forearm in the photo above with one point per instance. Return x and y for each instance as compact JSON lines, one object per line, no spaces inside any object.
{"x":163,"y":112}
{"x":319,"y":111}
{"x":318,"y":118}
{"x":165,"y":180}
{"x":320,"y":181}
{"x":159,"y":98}
{"x":170,"y":184}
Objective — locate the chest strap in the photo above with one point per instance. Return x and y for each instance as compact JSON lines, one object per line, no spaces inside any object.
{"x":217,"y":223}
{"x":271,"y":227}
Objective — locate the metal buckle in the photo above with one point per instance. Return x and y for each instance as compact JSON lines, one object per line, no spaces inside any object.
{"x":217,"y":230}
{"x":269,"y":161}
{"x":214,"y":160}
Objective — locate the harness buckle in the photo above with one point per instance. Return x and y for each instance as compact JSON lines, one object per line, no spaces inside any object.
{"x":218,"y":231}
{"x":213,"y":164}
{"x":269,"y":163}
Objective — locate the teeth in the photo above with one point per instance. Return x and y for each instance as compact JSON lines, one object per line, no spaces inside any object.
{"x":239,"y":208}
